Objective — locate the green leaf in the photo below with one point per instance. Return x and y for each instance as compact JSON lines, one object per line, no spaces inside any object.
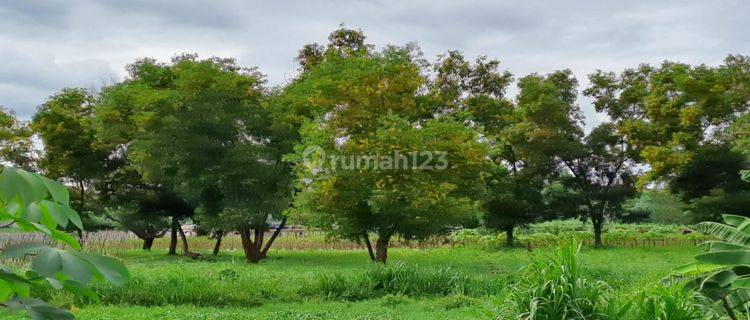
{"x":33,"y":213}
{"x":75,"y":267}
{"x":13,"y":186}
{"x":725,"y":257}
{"x":724,"y":232}
{"x":734,"y":220}
{"x":38,"y":309}
{"x":65,"y":238}
{"x":21,"y":250}
{"x":47,"y":263}
{"x":38,"y":189}
{"x":58,"y":191}
{"x":56,"y":211}
{"x":741,"y":283}
{"x":6,"y":290}
{"x":80,"y":290}
{"x":72,"y":216}
{"x":722,"y":246}
{"x":111,"y":269}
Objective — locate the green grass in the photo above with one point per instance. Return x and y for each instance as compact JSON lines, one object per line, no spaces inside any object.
{"x":308,"y":284}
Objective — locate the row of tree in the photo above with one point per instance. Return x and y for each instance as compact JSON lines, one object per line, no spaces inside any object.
{"x":205,"y":139}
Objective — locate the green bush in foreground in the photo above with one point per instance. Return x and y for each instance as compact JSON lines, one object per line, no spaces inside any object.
{"x":554,"y":288}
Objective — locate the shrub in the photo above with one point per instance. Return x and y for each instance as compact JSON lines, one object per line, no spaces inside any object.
{"x":674,"y":302}
{"x":552,"y":287}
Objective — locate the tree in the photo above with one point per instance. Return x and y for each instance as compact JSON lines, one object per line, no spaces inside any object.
{"x":33,"y":203}
{"x":602,"y":167}
{"x":676,"y":118}
{"x":204,"y":129}
{"x":514,"y":182}
{"x":531,"y":134}
{"x":16,"y":148}
{"x":145,"y":209}
{"x":658,"y":206}
{"x":375,"y":128}
{"x":64,"y":124}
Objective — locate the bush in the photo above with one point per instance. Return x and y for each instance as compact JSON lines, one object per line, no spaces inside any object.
{"x":664,"y":303}
{"x":554,"y":288}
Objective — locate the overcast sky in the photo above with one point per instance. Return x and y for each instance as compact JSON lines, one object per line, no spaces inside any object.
{"x":51,"y":44}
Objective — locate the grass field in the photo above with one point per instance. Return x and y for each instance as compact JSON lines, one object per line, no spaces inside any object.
{"x":439,"y":283}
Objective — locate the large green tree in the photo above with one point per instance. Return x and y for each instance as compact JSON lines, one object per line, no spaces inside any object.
{"x":676,"y":117}
{"x":16,"y":147}
{"x":391,"y":160}
{"x":205,"y":130}
{"x":64,"y":123}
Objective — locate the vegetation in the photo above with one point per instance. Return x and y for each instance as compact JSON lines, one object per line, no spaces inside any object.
{"x":433,"y":160}
{"x":33,"y":203}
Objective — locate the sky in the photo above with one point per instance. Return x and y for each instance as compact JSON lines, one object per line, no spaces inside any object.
{"x":47,"y":45}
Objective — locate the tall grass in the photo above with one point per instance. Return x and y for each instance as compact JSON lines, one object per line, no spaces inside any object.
{"x":673,"y":302}
{"x":553,"y":287}
{"x":399,"y":279}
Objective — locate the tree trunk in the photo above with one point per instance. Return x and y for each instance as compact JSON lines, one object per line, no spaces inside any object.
{"x":597,"y":222}
{"x":369,"y":247}
{"x":217,"y":246}
{"x":82,"y":202}
{"x":148,"y":242}
{"x":173,"y":237}
{"x":381,"y":248}
{"x":185,"y":248}
{"x":250,"y":247}
{"x":273,"y":238}
{"x":509,"y":240}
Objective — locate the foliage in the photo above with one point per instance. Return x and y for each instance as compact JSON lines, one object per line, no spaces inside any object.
{"x":33,"y":203}
{"x":555,"y":288}
{"x":660,"y":206}
{"x":201,"y":129}
{"x":64,"y":123}
{"x":722,"y":271}
{"x":370,"y":104}
{"x":663,"y":303}
{"x":16,"y":147}
{"x":399,"y":279}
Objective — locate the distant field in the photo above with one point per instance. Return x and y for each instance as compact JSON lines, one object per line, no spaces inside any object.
{"x":438,"y":283}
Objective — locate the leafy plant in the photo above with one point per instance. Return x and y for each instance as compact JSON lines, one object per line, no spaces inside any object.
{"x":553,"y":287}
{"x":723,"y":271}
{"x":663,"y":303}
{"x":33,"y":203}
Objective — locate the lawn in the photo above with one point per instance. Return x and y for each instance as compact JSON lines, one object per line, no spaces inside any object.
{"x":451,"y":283}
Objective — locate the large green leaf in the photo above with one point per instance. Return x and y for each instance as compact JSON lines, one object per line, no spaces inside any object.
{"x":733,"y":257}
{"x":735,"y":220}
{"x":38,"y":309}
{"x":56,"y":211}
{"x":722,"y":246}
{"x":21,"y":250}
{"x":37,"y":204}
{"x":109,"y":268}
{"x":47,"y":263}
{"x":13,"y":185}
{"x":58,"y":191}
{"x":724,"y":232}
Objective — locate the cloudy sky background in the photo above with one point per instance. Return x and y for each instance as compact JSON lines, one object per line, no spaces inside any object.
{"x":52,"y":44}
